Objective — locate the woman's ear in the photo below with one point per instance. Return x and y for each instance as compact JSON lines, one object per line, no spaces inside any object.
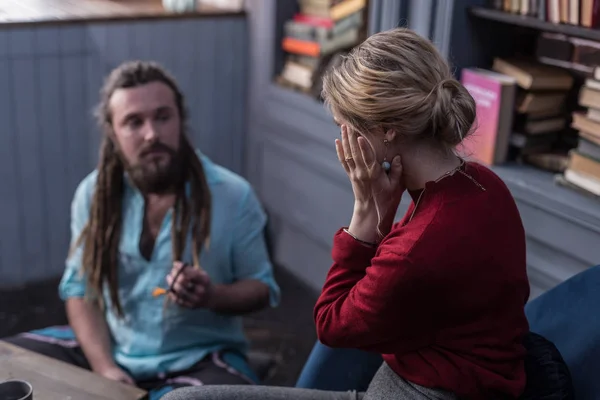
{"x":390,"y":135}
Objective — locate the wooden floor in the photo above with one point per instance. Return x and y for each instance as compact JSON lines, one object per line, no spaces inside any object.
{"x":56,"y":11}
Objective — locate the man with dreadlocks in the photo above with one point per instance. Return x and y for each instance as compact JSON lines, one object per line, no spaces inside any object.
{"x":158,"y":214}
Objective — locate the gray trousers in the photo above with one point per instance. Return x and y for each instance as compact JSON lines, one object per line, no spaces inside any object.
{"x":385,"y":385}
{"x":231,"y":392}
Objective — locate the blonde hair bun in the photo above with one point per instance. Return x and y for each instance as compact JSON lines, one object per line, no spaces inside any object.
{"x":398,"y":80}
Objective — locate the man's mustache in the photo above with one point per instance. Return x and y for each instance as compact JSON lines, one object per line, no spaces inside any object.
{"x":155,"y":148}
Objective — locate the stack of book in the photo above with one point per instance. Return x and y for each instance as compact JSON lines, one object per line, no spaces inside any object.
{"x":520,"y":113}
{"x":580,"y":55}
{"x":584,"y":13}
{"x":541,"y":116}
{"x":316,"y":39}
{"x":583,"y":171}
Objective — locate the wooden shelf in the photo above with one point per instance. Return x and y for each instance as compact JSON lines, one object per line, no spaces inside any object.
{"x":26,"y":12}
{"x":537,"y":187}
{"x":534,"y":23}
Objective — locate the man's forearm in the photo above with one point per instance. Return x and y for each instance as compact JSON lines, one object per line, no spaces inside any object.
{"x":240,"y":297}
{"x":91,"y":331}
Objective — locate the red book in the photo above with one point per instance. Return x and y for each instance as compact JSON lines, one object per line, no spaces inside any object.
{"x":313,"y":20}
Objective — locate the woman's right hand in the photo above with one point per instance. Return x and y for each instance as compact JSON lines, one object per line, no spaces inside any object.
{"x":359,"y":171}
{"x":376,"y":192}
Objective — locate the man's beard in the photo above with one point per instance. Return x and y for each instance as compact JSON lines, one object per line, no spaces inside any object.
{"x":151,"y":176}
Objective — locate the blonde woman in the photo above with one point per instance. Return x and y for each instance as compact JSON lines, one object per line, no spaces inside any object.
{"x":440,"y":294}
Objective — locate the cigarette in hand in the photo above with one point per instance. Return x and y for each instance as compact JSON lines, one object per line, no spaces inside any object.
{"x":158,"y":291}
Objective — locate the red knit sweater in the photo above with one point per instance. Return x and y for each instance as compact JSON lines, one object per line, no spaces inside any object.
{"x":442,"y":297}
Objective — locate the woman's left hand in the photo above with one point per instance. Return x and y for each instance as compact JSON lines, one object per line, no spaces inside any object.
{"x":372,"y":186}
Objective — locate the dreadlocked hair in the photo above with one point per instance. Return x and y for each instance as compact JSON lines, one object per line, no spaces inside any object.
{"x":101,"y":235}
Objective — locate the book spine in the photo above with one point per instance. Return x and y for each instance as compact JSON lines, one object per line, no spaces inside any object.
{"x":596,"y":14}
{"x":302,"y":47}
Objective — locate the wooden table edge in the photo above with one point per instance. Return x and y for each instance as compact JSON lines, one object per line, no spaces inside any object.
{"x":8,"y":349}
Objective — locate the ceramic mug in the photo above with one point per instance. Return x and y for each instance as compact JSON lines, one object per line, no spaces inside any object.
{"x":16,"y":390}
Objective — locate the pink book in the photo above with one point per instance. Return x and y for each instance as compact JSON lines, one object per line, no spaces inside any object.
{"x":494,"y":96}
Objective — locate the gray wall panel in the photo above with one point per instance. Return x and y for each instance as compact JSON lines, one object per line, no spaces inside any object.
{"x":10,"y":196}
{"x":4,"y":40}
{"x":21,"y":42}
{"x":57,"y":189}
{"x":28,"y":152}
{"x":48,"y":40}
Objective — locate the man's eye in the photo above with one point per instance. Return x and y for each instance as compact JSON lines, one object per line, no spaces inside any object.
{"x":134,"y":123}
{"x":163,"y":117}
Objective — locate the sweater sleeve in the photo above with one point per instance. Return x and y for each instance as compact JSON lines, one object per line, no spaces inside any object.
{"x":373,"y":302}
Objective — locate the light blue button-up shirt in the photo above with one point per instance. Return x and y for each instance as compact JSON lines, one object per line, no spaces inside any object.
{"x":152,"y":339}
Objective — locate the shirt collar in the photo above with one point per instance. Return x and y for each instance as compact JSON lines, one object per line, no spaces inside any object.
{"x":210,"y":169}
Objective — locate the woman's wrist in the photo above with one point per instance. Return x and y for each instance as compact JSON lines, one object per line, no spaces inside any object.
{"x":364,"y":243}
{"x":363,"y":226}
{"x":364,"y":208}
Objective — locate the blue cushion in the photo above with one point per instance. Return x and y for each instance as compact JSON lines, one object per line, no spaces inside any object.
{"x":568,"y":315}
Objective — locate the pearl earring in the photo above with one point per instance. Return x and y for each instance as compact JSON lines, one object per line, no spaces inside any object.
{"x":385,"y":164}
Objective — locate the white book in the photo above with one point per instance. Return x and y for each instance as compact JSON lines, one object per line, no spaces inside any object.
{"x":592,"y":84}
{"x":593,"y":114}
{"x":586,"y":182}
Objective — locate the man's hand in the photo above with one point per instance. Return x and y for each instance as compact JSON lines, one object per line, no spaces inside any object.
{"x":115,"y":373}
{"x":192,"y":287}
{"x":92,"y":333}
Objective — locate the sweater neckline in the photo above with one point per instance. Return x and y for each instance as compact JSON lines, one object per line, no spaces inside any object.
{"x":429,"y":185}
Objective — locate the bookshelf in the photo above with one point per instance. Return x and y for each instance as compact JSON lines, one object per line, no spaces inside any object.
{"x":561,"y":224}
{"x":573,"y":48}
{"x":488,"y":14}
